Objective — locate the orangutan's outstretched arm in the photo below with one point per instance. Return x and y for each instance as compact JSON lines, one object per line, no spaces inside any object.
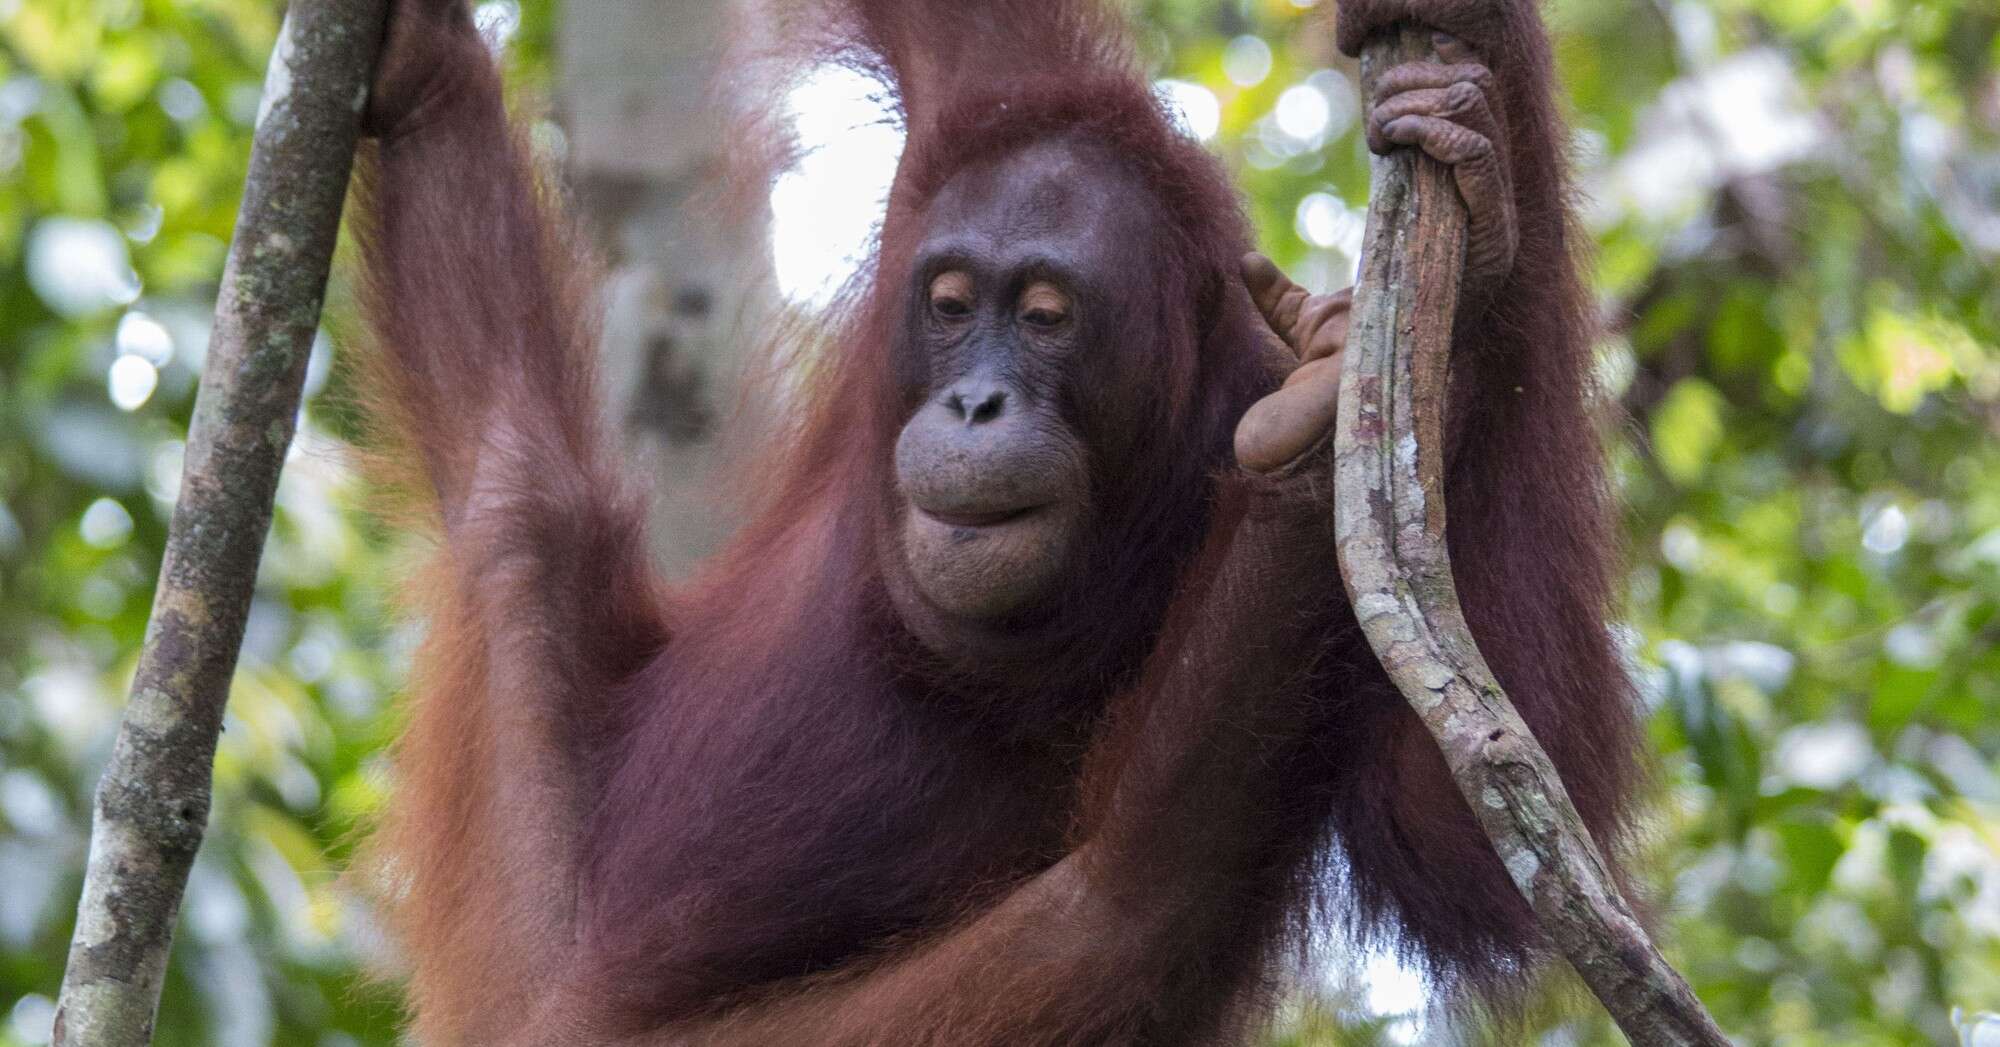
{"x":477,"y":301}
{"x":542,"y":600}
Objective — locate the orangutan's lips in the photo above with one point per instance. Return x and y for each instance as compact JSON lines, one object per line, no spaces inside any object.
{"x":992,"y":519}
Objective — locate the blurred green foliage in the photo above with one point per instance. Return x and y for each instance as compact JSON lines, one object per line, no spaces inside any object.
{"x":1796,"y":205}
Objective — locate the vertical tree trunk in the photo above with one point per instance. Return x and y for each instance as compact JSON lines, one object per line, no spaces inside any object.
{"x":689,"y":290}
{"x":1390,"y":519}
{"x":152,"y":804}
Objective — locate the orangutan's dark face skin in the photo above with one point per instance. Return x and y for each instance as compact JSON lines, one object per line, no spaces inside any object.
{"x":1010,"y":313}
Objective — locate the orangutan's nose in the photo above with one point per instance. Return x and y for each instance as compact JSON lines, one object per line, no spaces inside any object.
{"x":975,"y":401}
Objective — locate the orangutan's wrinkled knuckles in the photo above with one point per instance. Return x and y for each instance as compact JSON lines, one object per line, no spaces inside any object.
{"x":1448,"y":110}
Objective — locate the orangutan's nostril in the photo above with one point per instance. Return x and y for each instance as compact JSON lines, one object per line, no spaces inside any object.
{"x":989,"y":408}
{"x":976,"y":409}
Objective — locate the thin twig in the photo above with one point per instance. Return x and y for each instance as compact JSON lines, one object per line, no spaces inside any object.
{"x":152,"y":803}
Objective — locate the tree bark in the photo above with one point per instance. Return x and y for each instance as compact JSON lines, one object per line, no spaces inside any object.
{"x":689,"y":293}
{"x":1390,"y":522}
{"x":152,"y":804}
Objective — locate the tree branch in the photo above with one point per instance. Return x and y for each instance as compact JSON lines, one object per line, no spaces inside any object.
{"x":1390,"y":520}
{"x":152,"y":803}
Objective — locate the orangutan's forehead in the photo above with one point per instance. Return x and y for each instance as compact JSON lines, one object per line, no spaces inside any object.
{"x":1050,"y":191}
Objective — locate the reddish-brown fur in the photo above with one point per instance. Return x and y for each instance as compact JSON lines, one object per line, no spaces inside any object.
{"x":757,"y":811}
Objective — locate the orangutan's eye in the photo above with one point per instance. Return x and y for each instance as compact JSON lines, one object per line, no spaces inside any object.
{"x":951,"y":294}
{"x":1044,"y":305}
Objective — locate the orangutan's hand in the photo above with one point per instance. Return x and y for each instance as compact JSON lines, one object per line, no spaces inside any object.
{"x":1282,"y":427}
{"x":1451,"y":109}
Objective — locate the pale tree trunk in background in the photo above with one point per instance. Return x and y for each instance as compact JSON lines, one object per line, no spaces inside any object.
{"x":690,"y":296}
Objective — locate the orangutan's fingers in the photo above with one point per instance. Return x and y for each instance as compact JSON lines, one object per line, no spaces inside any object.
{"x":1321,"y":330}
{"x":1277,"y":297}
{"x":1482,"y":184}
{"x":1283,"y":426}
